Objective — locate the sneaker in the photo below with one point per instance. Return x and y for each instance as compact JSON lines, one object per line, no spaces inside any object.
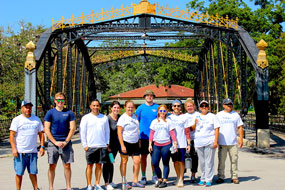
{"x":157,"y":183}
{"x":143,"y":180}
{"x":201,"y":183}
{"x":220,"y":180}
{"x":180,"y":183}
{"x":89,"y":187}
{"x":154,"y":179}
{"x":208,"y":184}
{"x":163,"y":184}
{"x":114,"y":185}
{"x":193,"y":179}
{"x":235,"y":181}
{"x":109,"y":187}
{"x":137,"y":184}
{"x":98,"y":187}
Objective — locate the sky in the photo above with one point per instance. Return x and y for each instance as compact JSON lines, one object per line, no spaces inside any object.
{"x":41,"y":12}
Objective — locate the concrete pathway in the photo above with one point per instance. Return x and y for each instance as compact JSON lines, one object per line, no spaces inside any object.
{"x":258,"y":169}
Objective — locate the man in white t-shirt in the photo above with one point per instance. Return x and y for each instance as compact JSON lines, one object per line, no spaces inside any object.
{"x":95,"y":136}
{"x":24,"y":130}
{"x":230,"y":123}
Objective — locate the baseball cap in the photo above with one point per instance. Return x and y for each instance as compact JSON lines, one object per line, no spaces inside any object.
{"x":25,"y":102}
{"x":176,"y":101}
{"x":204,"y":102}
{"x":227,"y":101}
{"x":148,"y":92}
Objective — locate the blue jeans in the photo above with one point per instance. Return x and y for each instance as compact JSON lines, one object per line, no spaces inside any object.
{"x":158,"y":153}
{"x":26,"y":160}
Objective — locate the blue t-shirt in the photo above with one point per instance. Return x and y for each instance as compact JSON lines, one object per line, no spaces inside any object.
{"x":59,"y":123}
{"x":146,"y":114}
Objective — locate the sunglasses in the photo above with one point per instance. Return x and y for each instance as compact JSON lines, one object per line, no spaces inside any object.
{"x":204,"y":106}
{"x":162,"y":111}
{"x":60,"y":100}
{"x":176,"y":106}
{"x":228,"y":104}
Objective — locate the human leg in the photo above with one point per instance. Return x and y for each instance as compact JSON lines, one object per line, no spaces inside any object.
{"x":200,"y":152}
{"x":137,"y":162}
{"x":67,"y":175}
{"x":88,"y":172}
{"x":51,"y":175}
{"x":53,"y":157}
{"x":165,"y":153}
{"x":209,"y":163}
{"x":233,"y":153}
{"x":98,"y":171}
{"x":155,"y":157}
{"x":222,"y":156}
{"x":123,"y":165}
{"x":194,"y":157}
{"x":33,"y":178}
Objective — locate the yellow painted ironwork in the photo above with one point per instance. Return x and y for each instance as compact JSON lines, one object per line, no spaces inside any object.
{"x":145,"y":7}
{"x":262,"y":61}
{"x":30,"y":62}
{"x":123,"y":54}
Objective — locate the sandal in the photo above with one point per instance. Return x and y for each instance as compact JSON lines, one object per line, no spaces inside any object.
{"x":137,"y":184}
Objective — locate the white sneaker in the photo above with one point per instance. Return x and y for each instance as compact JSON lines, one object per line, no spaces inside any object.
{"x":109,"y":187}
{"x":114,"y":185}
{"x":98,"y":187}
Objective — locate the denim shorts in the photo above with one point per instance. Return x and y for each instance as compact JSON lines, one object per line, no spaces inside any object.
{"x":26,"y":160}
{"x":179,"y":155}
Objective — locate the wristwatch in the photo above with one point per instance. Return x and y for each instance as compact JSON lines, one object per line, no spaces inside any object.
{"x":66,"y":142}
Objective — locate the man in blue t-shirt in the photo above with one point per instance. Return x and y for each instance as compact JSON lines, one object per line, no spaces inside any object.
{"x":146,"y":113}
{"x":59,"y":128}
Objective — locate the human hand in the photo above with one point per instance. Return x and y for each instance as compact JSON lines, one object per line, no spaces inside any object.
{"x":150,"y":148}
{"x":124,"y":150}
{"x":86,"y":148}
{"x":240,"y":143}
{"x":188,"y":148}
{"x":60,"y":144}
{"x":15,"y":153}
{"x":215,"y":145}
{"x":175,"y":147}
{"x":42,"y":151}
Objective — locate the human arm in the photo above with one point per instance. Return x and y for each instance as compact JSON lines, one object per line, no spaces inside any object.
{"x":72,"y":128}
{"x":13,"y":144}
{"x":150,"y":140}
{"x":192,"y":128}
{"x":188,"y":137}
{"x":107,"y":133}
{"x":174,"y":140}
{"x":120,"y":137}
{"x":42,"y":142}
{"x":47,"y":125}
{"x":216,"y":137}
{"x":240,"y":131}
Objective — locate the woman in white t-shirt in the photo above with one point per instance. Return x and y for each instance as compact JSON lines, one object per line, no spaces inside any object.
{"x":191,"y":114}
{"x":161,"y":133}
{"x":128,"y":134}
{"x":206,"y":141}
{"x":183,"y":140}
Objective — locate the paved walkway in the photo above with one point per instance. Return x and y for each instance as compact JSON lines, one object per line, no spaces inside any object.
{"x":258,"y":169}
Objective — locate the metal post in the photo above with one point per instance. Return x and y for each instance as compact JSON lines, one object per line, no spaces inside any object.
{"x":59,"y":81}
{"x":31,"y":76}
{"x":83,"y":87}
{"x":230,"y":73}
{"x":69,"y":78}
{"x":212,"y":80}
{"x":47,"y":81}
{"x":244,"y":91}
{"x":77,"y":84}
{"x":220,"y":77}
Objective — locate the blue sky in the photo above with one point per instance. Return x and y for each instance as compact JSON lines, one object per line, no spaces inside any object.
{"x":41,"y":12}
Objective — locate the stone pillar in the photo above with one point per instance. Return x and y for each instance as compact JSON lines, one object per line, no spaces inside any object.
{"x":31,"y":76}
{"x":261,"y":102}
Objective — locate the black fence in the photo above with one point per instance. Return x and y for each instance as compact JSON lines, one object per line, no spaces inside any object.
{"x":4,"y":128}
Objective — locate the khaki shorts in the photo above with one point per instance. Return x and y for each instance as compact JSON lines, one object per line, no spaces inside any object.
{"x":67,"y":155}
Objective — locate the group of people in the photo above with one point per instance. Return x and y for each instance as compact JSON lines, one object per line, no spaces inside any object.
{"x":150,"y":130}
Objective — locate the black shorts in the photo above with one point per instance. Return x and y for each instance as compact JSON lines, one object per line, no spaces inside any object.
{"x":144,"y":146}
{"x":132,"y":149}
{"x":96,"y":155}
{"x":179,"y":155}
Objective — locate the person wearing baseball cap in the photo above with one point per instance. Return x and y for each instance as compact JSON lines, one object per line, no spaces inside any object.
{"x":230,"y":122}
{"x":24,"y":130}
{"x":146,"y":113}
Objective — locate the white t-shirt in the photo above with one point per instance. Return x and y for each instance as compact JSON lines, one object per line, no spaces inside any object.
{"x":130,"y":128}
{"x":27,"y":130}
{"x":205,"y":129}
{"x":228,"y":131}
{"x":94,"y":131}
{"x":179,"y":122}
{"x":161,"y":130}
{"x":190,"y":117}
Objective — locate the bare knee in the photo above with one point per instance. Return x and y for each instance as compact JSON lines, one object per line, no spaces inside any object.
{"x":52,"y":167}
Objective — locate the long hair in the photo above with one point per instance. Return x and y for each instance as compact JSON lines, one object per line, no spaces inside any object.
{"x":163,"y":105}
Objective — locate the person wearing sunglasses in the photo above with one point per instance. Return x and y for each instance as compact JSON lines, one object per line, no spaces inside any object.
{"x":182,"y":131}
{"x":191,"y":114}
{"x":206,"y":126}
{"x":161,"y":134}
{"x":59,"y":124}
{"x":230,"y":123}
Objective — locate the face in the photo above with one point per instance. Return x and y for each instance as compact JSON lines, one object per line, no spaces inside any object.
{"x":228,"y":107}
{"x":162,"y":112}
{"x":27,"y":110}
{"x":129,"y":108}
{"x":149,"y":98}
{"x":95,"y":107}
{"x":190,"y":107}
{"x":176,"y":107}
{"x":59,"y":101}
{"x":204,"y":108}
{"x":115,"y":109}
